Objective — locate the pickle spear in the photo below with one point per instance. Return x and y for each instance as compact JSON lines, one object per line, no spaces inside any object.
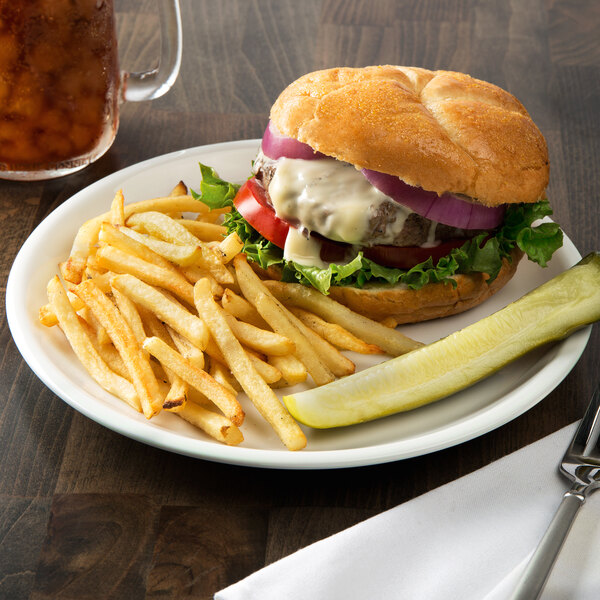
{"x":552,"y":311}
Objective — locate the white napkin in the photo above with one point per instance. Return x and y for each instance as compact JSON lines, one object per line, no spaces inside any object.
{"x":469,"y":539}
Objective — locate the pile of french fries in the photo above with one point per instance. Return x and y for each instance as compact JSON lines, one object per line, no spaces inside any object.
{"x":165,"y":313}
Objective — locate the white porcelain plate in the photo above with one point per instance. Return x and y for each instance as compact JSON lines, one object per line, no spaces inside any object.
{"x":450,"y":421}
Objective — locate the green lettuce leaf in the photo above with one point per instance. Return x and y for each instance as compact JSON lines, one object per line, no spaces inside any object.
{"x":214,"y":191}
{"x":540,"y":242}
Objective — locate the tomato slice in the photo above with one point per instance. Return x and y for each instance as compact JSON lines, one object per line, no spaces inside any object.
{"x":252,"y":204}
{"x":406,"y":257}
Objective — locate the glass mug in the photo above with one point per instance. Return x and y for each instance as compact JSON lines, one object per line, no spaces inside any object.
{"x":60,"y":84}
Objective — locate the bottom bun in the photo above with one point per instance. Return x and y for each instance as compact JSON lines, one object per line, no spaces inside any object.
{"x":432,"y":301}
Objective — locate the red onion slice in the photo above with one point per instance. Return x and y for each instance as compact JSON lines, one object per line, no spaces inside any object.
{"x":276,"y":145}
{"x":447,"y":208}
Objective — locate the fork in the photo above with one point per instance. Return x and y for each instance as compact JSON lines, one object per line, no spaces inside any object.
{"x":581,"y":464}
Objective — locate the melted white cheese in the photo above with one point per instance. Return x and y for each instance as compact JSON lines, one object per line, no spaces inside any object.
{"x":303,"y":250}
{"x":330,"y":197}
{"x":431,"y":242}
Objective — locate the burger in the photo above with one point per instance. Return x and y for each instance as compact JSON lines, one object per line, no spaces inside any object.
{"x":400,"y":192}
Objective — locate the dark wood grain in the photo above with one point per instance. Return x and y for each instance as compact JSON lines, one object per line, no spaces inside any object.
{"x":87,"y":513}
{"x":97,"y":546}
{"x":200,"y":550}
{"x":23,"y":523}
{"x":565,"y":18}
{"x":33,"y":429}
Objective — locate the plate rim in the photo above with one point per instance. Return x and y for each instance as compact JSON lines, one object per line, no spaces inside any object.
{"x":535,"y":387}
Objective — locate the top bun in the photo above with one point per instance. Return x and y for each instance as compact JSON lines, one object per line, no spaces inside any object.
{"x":439,"y":130}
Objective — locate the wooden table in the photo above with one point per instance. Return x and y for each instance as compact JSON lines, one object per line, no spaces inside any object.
{"x":86,"y":513}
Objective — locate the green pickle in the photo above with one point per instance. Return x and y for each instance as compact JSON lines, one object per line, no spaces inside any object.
{"x":550,"y":312}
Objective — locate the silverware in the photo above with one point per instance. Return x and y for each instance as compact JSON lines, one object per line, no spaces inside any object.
{"x":581,"y":464}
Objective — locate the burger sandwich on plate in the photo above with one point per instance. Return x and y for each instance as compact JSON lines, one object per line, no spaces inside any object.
{"x":398,"y":191}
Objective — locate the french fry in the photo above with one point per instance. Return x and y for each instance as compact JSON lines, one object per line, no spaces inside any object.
{"x":91,"y":264}
{"x":48,"y":318}
{"x":268,"y":372}
{"x":130,"y":313}
{"x":221,"y":374}
{"x":92,"y":271}
{"x":73,"y":268}
{"x":120,"y":262}
{"x":102,"y":281}
{"x":211,"y":260}
{"x":176,"y":397}
{"x":335,"y":334}
{"x":208,"y":232}
{"x":117,"y":212}
{"x":318,"y":356}
{"x":183,"y":255}
{"x":214,"y":214}
{"x":213,"y":350}
{"x":291,"y":369}
{"x":209,"y":263}
{"x":98,"y":332}
{"x":163,"y":227}
{"x":275,"y":315}
{"x":197,"y":378}
{"x":259,"y":339}
{"x":200,"y":399}
{"x":390,"y":340}
{"x":186,"y":348}
{"x":108,"y":353}
{"x":193,"y":273}
{"x":261,"y":395}
{"x":217,"y":426}
{"x":262,"y":368}
{"x":390,"y":322}
{"x":84,"y":349}
{"x":168,"y":311}
{"x":179,"y":190}
{"x":120,"y":333}
{"x":46,"y":314}
{"x":153,"y":325}
{"x":339,"y":364}
{"x":166,"y":204}
{"x":116,"y":237}
{"x":240,"y":308}
{"x":230,"y":247}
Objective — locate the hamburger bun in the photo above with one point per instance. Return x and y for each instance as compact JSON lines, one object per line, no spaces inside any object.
{"x":439,"y":130}
{"x":432,"y":301}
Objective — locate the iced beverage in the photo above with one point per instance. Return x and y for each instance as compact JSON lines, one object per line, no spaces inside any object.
{"x":59,"y":84}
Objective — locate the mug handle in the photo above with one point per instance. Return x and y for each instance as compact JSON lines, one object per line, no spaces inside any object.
{"x":147,"y":85}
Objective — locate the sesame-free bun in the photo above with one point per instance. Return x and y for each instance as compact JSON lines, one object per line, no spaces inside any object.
{"x":439,"y":130}
{"x":432,"y":301}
